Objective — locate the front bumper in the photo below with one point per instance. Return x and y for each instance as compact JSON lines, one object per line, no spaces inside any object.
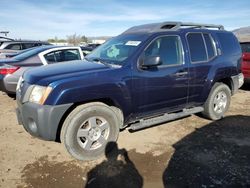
{"x":41,"y":120}
{"x":7,"y":84}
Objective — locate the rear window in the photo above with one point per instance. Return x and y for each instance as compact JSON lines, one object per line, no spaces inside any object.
{"x":229,"y":43}
{"x":245,"y":47}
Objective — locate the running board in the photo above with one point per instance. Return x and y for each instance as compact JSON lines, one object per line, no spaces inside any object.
{"x":144,"y":123}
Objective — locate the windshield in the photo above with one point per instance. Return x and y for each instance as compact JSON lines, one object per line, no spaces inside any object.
{"x":245,"y":47}
{"x":117,"y":50}
{"x":29,"y":53}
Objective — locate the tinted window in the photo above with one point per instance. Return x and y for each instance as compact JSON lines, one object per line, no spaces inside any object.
{"x":37,"y":44}
{"x":245,"y":47}
{"x":169,"y":49}
{"x":14,"y":47}
{"x":229,"y":43}
{"x":197,"y":47}
{"x":50,"y":57}
{"x":70,"y":55}
{"x":63,"y":55}
{"x":210,"y":45}
{"x":28,"y":45}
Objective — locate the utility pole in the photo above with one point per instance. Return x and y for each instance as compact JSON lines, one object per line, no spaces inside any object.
{"x":5,"y":33}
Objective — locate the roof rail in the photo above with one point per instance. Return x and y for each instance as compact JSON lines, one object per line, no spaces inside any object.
{"x":171,"y":26}
{"x":179,"y":25}
{"x":6,"y":38}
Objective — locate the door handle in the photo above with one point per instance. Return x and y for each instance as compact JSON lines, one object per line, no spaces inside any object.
{"x":182,"y":73}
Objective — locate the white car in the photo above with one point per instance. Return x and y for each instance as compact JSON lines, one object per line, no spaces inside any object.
{"x":11,"y":69}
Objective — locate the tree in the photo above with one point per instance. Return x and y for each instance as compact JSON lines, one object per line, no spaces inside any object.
{"x":74,"y":39}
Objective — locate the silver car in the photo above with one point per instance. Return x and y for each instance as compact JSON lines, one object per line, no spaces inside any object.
{"x":11,"y":69}
{"x":14,"y":46}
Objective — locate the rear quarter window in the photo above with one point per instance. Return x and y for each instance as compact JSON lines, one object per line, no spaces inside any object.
{"x":229,"y":43}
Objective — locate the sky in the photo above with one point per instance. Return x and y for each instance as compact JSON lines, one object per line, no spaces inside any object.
{"x":40,"y":20}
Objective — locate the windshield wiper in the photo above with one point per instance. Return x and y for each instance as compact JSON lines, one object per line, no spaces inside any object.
{"x":100,"y":61}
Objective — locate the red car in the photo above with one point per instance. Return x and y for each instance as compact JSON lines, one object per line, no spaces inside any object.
{"x":245,"y":66}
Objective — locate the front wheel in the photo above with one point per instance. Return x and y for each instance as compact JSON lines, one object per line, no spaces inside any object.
{"x":87,"y":130}
{"x":217,"y":102}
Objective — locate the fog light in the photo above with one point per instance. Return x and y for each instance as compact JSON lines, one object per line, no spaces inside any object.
{"x":32,"y":125}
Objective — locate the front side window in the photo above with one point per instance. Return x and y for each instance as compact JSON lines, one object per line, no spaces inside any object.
{"x":197,"y":47}
{"x":28,"y":45}
{"x":168,"y":48}
{"x":63,"y":55}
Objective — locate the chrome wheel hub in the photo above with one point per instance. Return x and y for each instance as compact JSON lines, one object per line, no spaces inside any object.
{"x":220,"y":102}
{"x":93,"y":133}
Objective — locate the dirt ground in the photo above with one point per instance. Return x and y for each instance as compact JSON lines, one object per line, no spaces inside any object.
{"x":191,"y":152}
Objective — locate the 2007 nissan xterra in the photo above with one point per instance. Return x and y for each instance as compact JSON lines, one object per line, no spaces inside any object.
{"x":148,"y":75}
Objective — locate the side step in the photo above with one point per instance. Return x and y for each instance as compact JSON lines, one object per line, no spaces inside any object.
{"x":144,"y":123}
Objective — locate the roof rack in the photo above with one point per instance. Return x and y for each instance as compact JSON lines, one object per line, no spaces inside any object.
{"x":171,"y":26}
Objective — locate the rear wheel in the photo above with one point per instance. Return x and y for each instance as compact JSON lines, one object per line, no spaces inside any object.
{"x":218,"y":101}
{"x":87,"y":130}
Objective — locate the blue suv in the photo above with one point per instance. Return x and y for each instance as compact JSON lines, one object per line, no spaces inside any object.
{"x":148,"y":75}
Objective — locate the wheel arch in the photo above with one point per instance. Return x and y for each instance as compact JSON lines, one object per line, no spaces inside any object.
{"x":107,"y":101}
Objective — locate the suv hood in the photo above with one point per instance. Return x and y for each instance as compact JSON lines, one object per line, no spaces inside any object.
{"x":50,"y":73}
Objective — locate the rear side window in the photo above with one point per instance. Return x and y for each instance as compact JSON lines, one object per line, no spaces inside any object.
{"x":210,"y":45}
{"x":197,"y":47}
{"x":201,"y":46}
{"x":169,"y":48}
{"x":229,"y":43}
{"x":14,"y":47}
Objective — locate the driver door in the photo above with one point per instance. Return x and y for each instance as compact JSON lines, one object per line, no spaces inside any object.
{"x":161,"y":88}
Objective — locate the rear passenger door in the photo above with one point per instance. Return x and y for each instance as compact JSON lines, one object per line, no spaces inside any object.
{"x":202,"y":55}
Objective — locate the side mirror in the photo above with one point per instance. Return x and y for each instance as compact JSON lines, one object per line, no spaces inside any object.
{"x":151,"y":61}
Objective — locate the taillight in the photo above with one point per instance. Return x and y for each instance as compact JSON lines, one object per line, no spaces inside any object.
{"x":8,"y":69}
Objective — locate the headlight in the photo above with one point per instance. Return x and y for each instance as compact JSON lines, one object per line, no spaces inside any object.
{"x":39,"y":94}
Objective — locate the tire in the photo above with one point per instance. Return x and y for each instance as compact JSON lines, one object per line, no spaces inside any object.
{"x":217,"y":102}
{"x":119,"y":114}
{"x":87,"y":130}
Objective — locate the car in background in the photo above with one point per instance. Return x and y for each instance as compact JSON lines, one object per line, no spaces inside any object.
{"x":245,"y":66}
{"x":12,"y":54}
{"x":86,"y":50}
{"x":11,"y":69}
{"x":12,"y":46}
{"x":93,"y":45}
{"x":89,"y":48}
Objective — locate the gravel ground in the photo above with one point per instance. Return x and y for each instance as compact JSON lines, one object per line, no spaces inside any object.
{"x":191,"y":152}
